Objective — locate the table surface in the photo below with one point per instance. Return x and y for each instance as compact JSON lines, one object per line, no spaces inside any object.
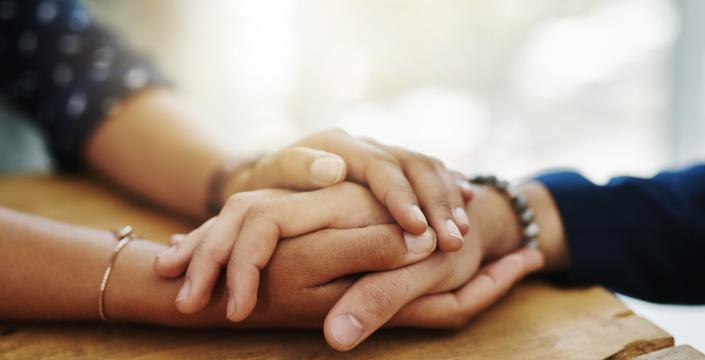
{"x":535,"y":321}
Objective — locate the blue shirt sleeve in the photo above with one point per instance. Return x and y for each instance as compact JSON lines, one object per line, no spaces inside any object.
{"x":65,"y":72}
{"x":640,"y":237}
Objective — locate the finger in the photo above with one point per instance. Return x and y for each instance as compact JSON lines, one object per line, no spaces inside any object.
{"x":455,"y":199}
{"x":435,"y":201}
{"x":212,"y":253}
{"x":267,"y":222}
{"x":376,"y":297}
{"x":464,"y":184}
{"x":173,"y":261}
{"x":329,"y":254}
{"x":299,"y":168}
{"x":438,"y":194}
{"x":368,"y":164}
{"x":455,"y":308}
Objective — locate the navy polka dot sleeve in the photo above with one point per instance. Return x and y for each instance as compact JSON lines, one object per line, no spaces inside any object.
{"x":64,"y":71}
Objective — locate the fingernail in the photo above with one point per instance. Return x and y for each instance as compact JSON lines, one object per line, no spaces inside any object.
{"x":231,"y":306}
{"x":453,"y":229}
{"x":420,"y":244}
{"x":461,"y":215}
{"x":466,"y":186}
{"x":346,"y":330}
{"x":168,"y":252}
{"x":419,"y":214}
{"x":327,"y":170}
{"x":184,"y":292}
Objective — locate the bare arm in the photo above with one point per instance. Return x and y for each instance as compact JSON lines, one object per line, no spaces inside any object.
{"x":51,"y":271}
{"x":501,"y":228}
{"x":154,"y":146}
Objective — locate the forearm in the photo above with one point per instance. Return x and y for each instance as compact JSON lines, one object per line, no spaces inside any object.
{"x":51,"y":271}
{"x":154,"y":146}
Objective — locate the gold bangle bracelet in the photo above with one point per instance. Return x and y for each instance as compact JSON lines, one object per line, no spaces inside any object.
{"x":123,"y":235}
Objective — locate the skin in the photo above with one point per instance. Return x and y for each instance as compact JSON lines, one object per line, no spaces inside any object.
{"x":245,"y":235}
{"x":153,"y":146}
{"x":305,"y":277}
{"x":375,"y":299}
{"x":136,"y":146}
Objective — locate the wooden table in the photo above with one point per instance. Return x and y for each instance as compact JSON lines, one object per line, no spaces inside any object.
{"x":536,"y":320}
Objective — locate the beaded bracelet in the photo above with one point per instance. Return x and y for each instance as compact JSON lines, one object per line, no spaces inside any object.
{"x":520,"y":205}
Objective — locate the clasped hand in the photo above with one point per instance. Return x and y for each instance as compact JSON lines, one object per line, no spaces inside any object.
{"x":338,"y":255}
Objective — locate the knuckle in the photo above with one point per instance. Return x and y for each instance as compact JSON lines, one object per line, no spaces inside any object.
{"x":442,"y":201}
{"x":399,"y":189}
{"x":239,"y":200}
{"x":382,"y":247}
{"x":258,"y":209}
{"x":382,"y":159}
{"x":382,"y":297}
{"x":207,"y":255}
{"x":487,"y":279}
{"x":426,"y":160}
{"x":437,"y":163}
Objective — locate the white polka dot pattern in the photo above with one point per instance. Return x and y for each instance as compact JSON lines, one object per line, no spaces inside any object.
{"x":28,"y":42}
{"x":63,"y":75}
{"x":66,"y":72}
{"x":47,"y":11}
{"x":136,"y":78}
{"x":69,"y":44}
{"x":76,"y":104}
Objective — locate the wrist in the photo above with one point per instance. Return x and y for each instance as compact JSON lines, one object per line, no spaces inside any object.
{"x":493,"y":222}
{"x":500,"y":231}
{"x":138,"y":295}
{"x":552,"y":241}
{"x":232,"y":176}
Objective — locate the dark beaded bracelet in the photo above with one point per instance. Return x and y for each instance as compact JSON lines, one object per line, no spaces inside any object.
{"x":520,"y":205}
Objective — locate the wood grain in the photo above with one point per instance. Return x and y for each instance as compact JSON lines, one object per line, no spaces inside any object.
{"x":536,"y":321}
{"x":682,"y":352}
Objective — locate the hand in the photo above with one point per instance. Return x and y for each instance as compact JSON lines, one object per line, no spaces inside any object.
{"x":302,"y":281}
{"x":375,"y":298}
{"x":407,"y":183}
{"x":245,"y":235}
{"x":309,"y":273}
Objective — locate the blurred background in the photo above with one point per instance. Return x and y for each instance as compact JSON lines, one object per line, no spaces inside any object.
{"x":606,"y":86}
{"x":509,"y":87}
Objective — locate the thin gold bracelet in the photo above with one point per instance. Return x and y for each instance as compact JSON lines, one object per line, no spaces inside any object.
{"x":123,"y":235}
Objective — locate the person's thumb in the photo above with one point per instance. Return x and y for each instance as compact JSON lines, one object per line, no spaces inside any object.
{"x":298,"y":168}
